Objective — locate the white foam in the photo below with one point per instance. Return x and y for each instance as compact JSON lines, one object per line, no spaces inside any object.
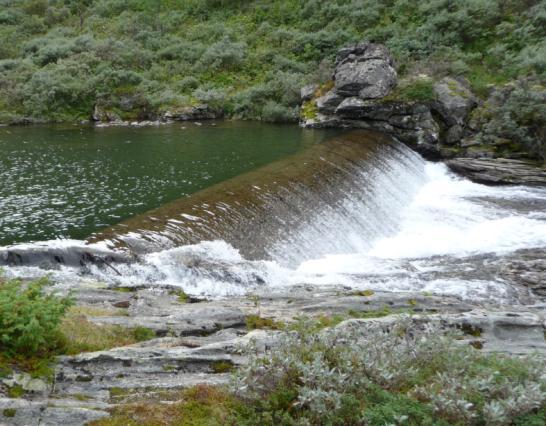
{"x":443,"y":215}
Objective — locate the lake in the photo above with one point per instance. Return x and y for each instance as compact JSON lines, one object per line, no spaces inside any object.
{"x":70,"y":181}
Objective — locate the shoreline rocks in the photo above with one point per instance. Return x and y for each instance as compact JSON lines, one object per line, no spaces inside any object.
{"x":498,"y":171}
{"x":363,"y":95}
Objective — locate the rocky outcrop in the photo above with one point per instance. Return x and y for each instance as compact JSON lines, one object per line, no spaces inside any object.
{"x":444,"y":126}
{"x":364,"y":75}
{"x":193,"y":113}
{"x":199,"y":342}
{"x":104,"y":116}
{"x":365,"y":70}
{"x":499,"y":171}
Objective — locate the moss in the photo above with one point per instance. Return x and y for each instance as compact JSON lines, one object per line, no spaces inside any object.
{"x":324,"y":88}
{"x":124,"y":289}
{"x":9,"y":412}
{"x":324,"y":321}
{"x":142,"y":333}
{"x":309,"y":110}
{"x":201,"y":405}
{"x":16,"y":391}
{"x":115,"y":391}
{"x":363,"y":293}
{"x":257,"y":322}
{"x":94,"y":311}
{"x":418,"y":90}
{"x":376,"y":313}
{"x":222,"y":366}
{"x":81,"y":397}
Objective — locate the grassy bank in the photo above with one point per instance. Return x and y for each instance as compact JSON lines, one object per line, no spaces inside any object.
{"x":136,"y":58}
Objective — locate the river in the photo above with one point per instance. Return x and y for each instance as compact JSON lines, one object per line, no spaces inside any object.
{"x":356,"y":210}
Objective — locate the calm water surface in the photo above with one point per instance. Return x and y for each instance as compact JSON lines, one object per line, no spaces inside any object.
{"x":71,"y":181}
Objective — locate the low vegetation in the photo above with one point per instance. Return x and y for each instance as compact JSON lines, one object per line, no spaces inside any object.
{"x":257,"y":322}
{"x":30,"y":323}
{"x":137,"y":58}
{"x":402,"y":373}
{"x":37,"y":326}
{"x":81,"y":335}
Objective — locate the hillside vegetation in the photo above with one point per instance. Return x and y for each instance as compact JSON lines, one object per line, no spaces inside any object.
{"x":60,"y":58}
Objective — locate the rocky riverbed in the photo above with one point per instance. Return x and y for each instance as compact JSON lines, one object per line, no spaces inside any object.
{"x":198,"y":341}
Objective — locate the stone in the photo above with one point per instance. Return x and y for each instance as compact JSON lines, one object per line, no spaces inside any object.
{"x":365,"y":70}
{"x":499,"y":171}
{"x":101,"y":114}
{"x":454,"y":134}
{"x":454,"y":101}
{"x":193,"y":113}
{"x":308,"y":92}
{"x":329,"y":102}
{"x":364,"y":51}
{"x":48,"y":412}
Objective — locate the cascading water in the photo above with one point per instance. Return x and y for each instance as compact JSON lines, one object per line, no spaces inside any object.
{"x":361,"y":211}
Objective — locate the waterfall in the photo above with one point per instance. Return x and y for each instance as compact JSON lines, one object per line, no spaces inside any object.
{"x":360,"y":210}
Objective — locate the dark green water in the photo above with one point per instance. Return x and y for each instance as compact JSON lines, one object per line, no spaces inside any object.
{"x":71,"y":181}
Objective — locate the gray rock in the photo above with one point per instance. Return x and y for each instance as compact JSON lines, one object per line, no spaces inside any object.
{"x":364,"y":51}
{"x":47,"y":413}
{"x":454,"y":134}
{"x":194,"y":113}
{"x":308,"y":92}
{"x":102,"y":114}
{"x":329,"y":102}
{"x":499,"y":171}
{"x":454,"y":101}
{"x":365,"y":70}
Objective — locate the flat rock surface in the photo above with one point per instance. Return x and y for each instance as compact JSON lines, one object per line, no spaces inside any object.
{"x":499,"y":171}
{"x":203,"y":340}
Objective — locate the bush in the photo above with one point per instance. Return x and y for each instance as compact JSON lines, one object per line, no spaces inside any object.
{"x":385,"y":374}
{"x":257,"y":52}
{"x":276,"y":113}
{"x":30,"y":319}
{"x":516,"y":115}
{"x":419,"y":89}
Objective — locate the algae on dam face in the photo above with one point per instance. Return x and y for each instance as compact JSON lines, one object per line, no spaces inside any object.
{"x":69,"y":181}
{"x":258,"y":212}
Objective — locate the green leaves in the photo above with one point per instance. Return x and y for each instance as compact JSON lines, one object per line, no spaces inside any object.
{"x":29,"y":319}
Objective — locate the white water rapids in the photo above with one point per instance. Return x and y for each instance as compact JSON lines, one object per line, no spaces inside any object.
{"x":406,"y":225}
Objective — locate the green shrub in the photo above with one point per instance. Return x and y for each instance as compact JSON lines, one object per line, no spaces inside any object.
{"x":419,"y":89}
{"x":367,"y":373}
{"x":30,"y":319}
{"x":254,"y":52}
{"x":516,"y":114}
{"x":276,"y":113}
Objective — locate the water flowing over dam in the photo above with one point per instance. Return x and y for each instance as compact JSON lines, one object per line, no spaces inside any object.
{"x":360,"y":210}
{"x":336,"y":197}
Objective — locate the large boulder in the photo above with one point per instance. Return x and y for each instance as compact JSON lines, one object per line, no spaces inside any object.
{"x":454,"y":101}
{"x":308,"y":92}
{"x":365,"y":70}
